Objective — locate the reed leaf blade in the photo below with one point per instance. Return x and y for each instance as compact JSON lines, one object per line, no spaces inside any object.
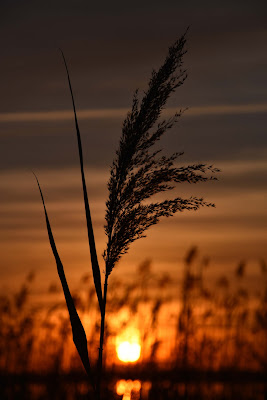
{"x":91,"y":238}
{"x":79,"y":335}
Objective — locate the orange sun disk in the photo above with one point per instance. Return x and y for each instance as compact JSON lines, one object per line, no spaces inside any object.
{"x":128,"y":352}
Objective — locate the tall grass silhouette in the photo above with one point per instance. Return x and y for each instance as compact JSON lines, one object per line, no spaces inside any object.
{"x":138,"y":172}
{"x":225,"y":330}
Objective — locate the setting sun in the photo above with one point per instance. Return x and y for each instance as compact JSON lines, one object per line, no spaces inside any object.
{"x":128,"y":352}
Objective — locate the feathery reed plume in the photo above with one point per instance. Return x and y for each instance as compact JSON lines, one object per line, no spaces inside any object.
{"x":138,"y":173}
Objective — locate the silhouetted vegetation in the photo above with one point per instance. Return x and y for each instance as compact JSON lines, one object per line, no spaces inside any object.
{"x":193,"y":332}
{"x":137,"y":174}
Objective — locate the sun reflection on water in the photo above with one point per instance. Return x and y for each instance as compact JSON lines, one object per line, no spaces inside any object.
{"x":125,"y":388}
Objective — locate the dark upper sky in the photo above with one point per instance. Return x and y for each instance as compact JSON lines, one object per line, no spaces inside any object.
{"x":111,"y":48}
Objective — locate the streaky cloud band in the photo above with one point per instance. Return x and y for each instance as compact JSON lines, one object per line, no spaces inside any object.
{"x":108,"y":113}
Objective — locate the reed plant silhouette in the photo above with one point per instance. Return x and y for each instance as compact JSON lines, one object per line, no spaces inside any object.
{"x":138,"y":172}
{"x":35,"y":339}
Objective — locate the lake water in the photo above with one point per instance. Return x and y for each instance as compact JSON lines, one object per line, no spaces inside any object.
{"x":57,"y":389}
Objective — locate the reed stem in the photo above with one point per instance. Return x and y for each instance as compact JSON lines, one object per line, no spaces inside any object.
{"x":101,"y":342}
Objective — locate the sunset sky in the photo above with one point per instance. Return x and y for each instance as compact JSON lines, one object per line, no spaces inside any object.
{"x":111,"y":48}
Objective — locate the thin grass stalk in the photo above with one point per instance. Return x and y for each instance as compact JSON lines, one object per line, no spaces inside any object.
{"x":101,"y":340}
{"x":91,"y":238}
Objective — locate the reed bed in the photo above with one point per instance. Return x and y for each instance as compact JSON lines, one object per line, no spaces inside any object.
{"x":218,"y":326}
